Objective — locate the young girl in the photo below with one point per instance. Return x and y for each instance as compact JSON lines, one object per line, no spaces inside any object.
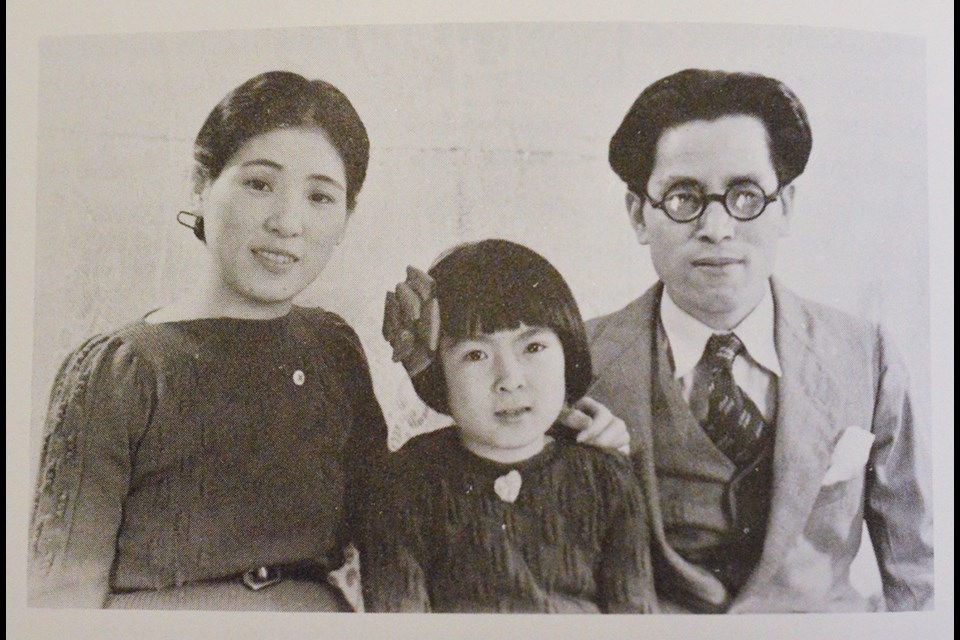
{"x":498,"y":514}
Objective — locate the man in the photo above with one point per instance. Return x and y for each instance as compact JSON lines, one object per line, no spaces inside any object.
{"x":766,"y":428}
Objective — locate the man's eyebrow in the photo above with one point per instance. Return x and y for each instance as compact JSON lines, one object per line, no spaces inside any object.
{"x":677,"y":181}
{"x":263,"y":162}
{"x":747,"y":177}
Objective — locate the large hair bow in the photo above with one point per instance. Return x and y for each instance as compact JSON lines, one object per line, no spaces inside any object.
{"x":411,"y":321}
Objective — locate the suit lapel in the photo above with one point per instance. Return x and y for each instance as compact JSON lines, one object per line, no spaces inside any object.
{"x":623,"y":352}
{"x":806,"y":432}
{"x":624,"y":361}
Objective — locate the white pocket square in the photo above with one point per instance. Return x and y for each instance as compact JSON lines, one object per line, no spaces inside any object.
{"x":849,"y":457}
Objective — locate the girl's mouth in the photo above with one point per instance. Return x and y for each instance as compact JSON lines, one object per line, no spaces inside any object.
{"x":512,"y":414}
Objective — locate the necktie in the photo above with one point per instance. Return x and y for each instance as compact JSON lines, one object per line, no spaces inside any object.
{"x":733,"y":421}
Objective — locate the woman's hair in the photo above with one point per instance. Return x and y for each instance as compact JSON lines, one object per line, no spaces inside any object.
{"x":697,"y":94}
{"x":496,"y":285}
{"x":274,"y":100}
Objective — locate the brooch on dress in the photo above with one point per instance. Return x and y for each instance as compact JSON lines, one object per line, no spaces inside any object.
{"x":507,"y":486}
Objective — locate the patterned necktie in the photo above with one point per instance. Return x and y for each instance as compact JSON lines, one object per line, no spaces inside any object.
{"x":733,"y":421}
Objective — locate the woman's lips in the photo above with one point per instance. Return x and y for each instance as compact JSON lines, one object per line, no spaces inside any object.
{"x":274,"y":260}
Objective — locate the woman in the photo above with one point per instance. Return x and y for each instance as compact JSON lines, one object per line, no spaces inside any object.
{"x":216,"y":453}
{"x":214,"y":447}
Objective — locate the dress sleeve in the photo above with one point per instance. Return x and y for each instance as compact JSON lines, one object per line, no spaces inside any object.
{"x":99,"y":397}
{"x":394,"y":567}
{"x":625,"y":581}
{"x":898,"y":504}
{"x":367,"y":447}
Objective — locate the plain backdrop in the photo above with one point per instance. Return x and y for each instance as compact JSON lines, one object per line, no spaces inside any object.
{"x":476,"y":131}
{"x":489,"y":130}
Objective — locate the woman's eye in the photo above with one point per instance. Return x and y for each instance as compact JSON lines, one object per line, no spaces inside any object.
{"x":475,"y":356}
{"x":536,"y":347}
{"x":257,"y":184}
{"x":321,"y":198}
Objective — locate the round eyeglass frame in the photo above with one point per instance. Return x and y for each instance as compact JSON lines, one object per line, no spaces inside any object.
{"x":717,"y":197}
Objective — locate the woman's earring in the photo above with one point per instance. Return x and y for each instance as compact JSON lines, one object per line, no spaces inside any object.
{"x":196,"y":224}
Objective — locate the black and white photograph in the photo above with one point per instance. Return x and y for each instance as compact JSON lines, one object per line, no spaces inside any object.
{"x":482,"y":317}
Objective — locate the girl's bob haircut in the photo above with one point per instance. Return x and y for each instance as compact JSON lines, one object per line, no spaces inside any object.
{"x":495,"y":285}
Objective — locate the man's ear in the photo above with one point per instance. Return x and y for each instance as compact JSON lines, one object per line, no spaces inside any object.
{"x":635,"y":212}
{"x":786,"y":208}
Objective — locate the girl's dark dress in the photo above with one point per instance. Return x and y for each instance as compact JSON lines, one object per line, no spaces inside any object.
{"x":574,"y":540}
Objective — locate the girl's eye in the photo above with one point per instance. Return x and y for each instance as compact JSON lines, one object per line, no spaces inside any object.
{"x":536,"y":347}
{"x":474,"y":356}
{"x":257,"y":184}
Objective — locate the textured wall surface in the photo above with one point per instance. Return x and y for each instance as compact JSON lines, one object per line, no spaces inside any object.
{"x":476,"y":131}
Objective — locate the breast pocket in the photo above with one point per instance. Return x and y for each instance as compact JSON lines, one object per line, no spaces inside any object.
{"x":837,"y":514}
{"x":834,"y":492}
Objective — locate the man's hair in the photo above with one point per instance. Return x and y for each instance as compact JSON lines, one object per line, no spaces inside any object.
{"x":496,"y":285}
{"x":697,"y":94}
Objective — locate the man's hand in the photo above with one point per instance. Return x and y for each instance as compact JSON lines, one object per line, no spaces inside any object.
{"x":597,"y":426}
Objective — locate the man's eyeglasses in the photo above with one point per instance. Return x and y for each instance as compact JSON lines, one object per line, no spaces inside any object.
{"x":687,"y":202}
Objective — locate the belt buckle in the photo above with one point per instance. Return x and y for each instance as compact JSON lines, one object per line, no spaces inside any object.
{"x":262,"y":577}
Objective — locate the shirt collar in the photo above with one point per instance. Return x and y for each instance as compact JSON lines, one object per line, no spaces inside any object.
{"x":688,"y":336}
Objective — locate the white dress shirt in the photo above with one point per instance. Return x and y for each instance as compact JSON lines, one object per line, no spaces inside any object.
{"x":755,"y":371}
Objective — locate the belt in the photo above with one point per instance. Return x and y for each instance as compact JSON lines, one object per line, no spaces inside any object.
{"x":265,"y":576}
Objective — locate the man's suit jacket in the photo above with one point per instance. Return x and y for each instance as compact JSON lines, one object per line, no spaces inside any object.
{"x":838,"y":372}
